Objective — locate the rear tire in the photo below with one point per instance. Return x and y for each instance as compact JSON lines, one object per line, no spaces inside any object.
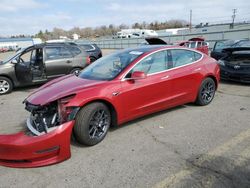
{"x":92,"y":59}
{"x":75,"y":71}
{"x":6,"y":85}
{"x":92,"y":124}
{"x":206,"y":92}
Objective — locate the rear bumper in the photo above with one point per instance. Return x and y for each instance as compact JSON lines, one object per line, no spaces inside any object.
{"x":22,"y":151}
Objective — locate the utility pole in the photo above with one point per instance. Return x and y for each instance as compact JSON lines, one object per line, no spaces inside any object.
{"x":233,"y":16}
{"x":190,"y":21}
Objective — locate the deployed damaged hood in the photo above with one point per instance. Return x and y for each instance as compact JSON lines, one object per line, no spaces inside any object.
{"x":155,"y":41}
{"x":59,"y":88}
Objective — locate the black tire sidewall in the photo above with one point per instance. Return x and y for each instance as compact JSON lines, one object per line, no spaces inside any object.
{"x":199,"y":100}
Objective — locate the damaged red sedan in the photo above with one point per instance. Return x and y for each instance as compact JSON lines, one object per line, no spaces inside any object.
{"x":115,"y":89}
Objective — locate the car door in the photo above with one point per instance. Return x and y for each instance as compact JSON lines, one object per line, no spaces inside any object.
{"x":23,"y":68}
{"x":140,"y":97}
{"x":58,"y":61}
{"x":185,"y":75}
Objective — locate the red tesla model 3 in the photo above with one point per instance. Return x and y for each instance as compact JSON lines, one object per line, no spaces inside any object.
{"x":115,"y":89}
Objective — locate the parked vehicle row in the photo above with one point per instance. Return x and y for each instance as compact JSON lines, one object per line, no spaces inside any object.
{"x":8,"y":46}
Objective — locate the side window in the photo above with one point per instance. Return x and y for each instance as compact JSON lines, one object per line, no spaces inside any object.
{"x":199,"y":44}
{"x":74,"y":50}
{"x":53,"y":53}
{"x":152,"y":64}
{"x":65,"y":53}
{"x":182,"y":57}
{"x":197,"y":56}
{"x":193,"y":45}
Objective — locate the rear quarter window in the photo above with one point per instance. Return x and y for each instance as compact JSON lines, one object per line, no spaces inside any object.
{"x":182,"y":57}
{"x":75,"y":50}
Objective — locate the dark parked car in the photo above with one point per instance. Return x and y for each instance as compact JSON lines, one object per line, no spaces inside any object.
{"x":40,"y":63}
{"x":217,"y":51}
{"x":235,"y":64}
{"x":93,"y":51}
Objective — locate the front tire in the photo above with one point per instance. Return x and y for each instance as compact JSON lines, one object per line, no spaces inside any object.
{"x":92,"y":124}
{"x":6,"y":85}
{"x":206,"y":92}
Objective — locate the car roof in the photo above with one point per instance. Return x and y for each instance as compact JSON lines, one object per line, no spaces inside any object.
{"x":50,"y":44}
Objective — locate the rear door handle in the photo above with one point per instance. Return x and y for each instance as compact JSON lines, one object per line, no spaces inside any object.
{"x":165,"y":77}
{"x":68,"y":61}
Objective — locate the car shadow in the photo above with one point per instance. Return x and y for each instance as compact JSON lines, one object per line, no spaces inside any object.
{"x":140,"y":119}
{"x":137,"y":120}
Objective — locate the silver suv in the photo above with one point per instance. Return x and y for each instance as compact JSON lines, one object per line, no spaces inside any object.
{"x":41,"y":63}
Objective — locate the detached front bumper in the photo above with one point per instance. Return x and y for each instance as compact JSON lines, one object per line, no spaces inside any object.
{"x":23,"y":151}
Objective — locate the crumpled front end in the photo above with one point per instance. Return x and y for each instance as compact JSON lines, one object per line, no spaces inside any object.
{"x":47,"y":140}
{"x":21,"y":150}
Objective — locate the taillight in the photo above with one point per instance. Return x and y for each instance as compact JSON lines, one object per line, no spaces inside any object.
{"x":88,"y":61}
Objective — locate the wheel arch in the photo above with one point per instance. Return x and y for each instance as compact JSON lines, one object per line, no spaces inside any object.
{"x":76,"y":67}
{"x":6,"y":76}
{"x":214,"y":79}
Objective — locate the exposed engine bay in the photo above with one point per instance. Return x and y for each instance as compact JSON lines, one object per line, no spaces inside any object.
{"x":43,"y":119}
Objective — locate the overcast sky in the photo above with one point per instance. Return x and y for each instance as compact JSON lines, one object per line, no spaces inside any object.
{"x":30,"y":16}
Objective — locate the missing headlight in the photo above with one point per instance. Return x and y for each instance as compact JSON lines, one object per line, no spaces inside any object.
{"x":43,"y":119}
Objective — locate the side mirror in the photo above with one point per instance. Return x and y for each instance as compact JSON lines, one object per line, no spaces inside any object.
{"x":14,"y":61}
{"x":137,"y":75}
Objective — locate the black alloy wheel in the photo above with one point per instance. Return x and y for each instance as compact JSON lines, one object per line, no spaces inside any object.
{"x":206,"y":92}
{"x":92,"y":123}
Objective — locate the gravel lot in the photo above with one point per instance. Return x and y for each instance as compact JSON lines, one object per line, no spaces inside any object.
{"x":187,"y":146}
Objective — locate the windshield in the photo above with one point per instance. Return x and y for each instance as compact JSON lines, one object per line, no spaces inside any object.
{"x":219,"y":46}
{"x":108,"y":67}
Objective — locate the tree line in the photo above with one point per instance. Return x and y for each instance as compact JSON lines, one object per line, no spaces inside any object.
{"x":89,"y":32}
